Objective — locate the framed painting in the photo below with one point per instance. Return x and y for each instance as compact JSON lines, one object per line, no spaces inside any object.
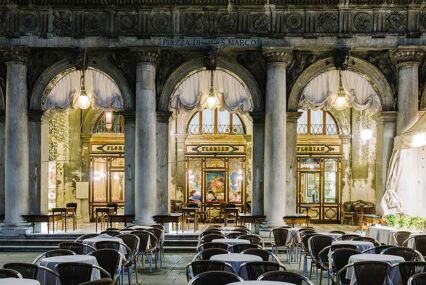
{"x":215,"y":186}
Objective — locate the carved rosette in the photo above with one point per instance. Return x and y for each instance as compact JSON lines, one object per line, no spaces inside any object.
{"x":275,"y":55}
{"x":17,"y":54}
{"x":147,"y":56}
{"x":407,"y":56}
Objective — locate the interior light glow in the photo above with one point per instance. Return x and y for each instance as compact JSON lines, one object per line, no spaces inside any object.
{"x":366,"y":134}
{"x":108,"y":120}
{"x":418,"y":140}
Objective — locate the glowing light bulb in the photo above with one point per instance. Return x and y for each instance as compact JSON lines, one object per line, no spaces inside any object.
{"x":211,"y":102}
{"x":366,"y":134}
{"x":83,"y":101}
{"x":341,"y":103}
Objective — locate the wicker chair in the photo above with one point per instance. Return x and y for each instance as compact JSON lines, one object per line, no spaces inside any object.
{"x":264,"y":254}
{"x":27,"y":270}
{"x":280,"y":240}
{"x":408,"y":254}
{"x":368,"y":272}
{"x":74,"y":273}
{"x":316,"y":244}
{"x":9,"y":273}
{"x":207,"y":253}
{"x":340,"y":258}
{"x":147,"y":246}
{"x":305,"y":249}
{"x":417,"y":279}
{"x":86,"y":236}
{"x":400,"y":237}
{"x":199,"y":266}
{"x":52,"y":253}
{"x":348,"y":237}
{"x":252,"y":270}
{"x":254,"y":239}
{"x":77,"y":247}
{"x":238,"y":248}
{"x":409,"y":268}
{"x":108,"y":259}
{"x":210,"y":238}
{"x":215,"y":278}
{"x":112,"y":233}
{"x":367,"y":239}
{"x":159,"y":234}
{"x":377,"y":249}
{"x":132,"y":242}
{"x":212,"y":245}
{"x":419,"y":243}
{"x":285,"y":276}
{"x":235,"y":234}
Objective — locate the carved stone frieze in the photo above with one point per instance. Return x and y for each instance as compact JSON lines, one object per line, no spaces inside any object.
{"x":362,"y":22}
{"x":260,"y":23}
{"x":62,"y":22}
{"x":28,"y":22}
{"x":407,"y":55}
{"x":193,"y":23}
{"x":282,"y":55}
{"x":160,"y":22}
{"x":127,"y":22}
{"x":294,"y":22}
{"x":328,"y":22}
{"x":227,"y":23}
{"x":396,"y":22}
{"x":18,"y":54}
{"x":6,"y":22}
{"x":95,"y":23}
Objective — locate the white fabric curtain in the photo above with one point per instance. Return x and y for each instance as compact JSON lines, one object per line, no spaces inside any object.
{"x":406,"y":180}
{"x":193,"y":91}
{"x":321,"y":92}
{"x":101,"y":89}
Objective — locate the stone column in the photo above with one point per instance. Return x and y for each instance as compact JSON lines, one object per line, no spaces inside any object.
{"x":2,"y":161}
{"x":275,"y":135}
{"x":129,"y":160}
{"x":407,"y":60}
{"x":291,"y":152}
{"x":34,"y":136}
{"x":145,"y":143}
{"x":258,"y":162}
{"x":386,"y":131}
{"x":163,"y":200}
{"x":16,"y":140}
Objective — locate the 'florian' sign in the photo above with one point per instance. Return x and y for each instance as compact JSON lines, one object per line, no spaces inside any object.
{"x":215,"y":149}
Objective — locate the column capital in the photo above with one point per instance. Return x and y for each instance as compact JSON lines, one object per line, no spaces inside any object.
{"x":407,"y":56}
{"x":257,"y":117}
{"x":278,"y":55}
{"x":128,"y":115}
{"x":292,"y":117}
{"x":146,"y":55}
{"x":386,"y":116}
{"x":17,"y":54}
{"x":163,"y":117}
{"x":35,"y":115}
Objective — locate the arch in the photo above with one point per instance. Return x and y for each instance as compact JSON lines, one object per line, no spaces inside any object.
{"x":58,"y":69}
{"x":362,"y":67}
{"x":198,"y":63}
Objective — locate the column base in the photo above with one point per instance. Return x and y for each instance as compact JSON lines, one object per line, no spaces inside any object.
{"x":15,"y":230}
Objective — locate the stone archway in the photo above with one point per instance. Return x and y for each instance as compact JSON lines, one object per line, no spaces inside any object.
{"x":362,"y":67}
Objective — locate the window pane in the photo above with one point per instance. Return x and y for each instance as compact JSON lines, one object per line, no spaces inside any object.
{"x":194,"y":125}
{"x":117,"y":186}
{"x":99,"y":177}
{"x":302,"y":123}
{"x":330,"y":180}
{"x":331,"y":127}
{"x":237,"y":125}
{"x":208,"y":121}
{"x":236,"y":176}
{"x":194,"y":180}
{"x":317,"y":122}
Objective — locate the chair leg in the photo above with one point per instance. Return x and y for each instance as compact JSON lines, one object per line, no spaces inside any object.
{"x":150,"y":262}
{"x":320,"y":277}
{"x":137,"y":269}
{"x":130,"y":274}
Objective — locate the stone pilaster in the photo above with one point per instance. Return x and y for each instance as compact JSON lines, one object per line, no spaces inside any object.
{"x":16,"y":140}
{"x":163,"y":200}
{"x":35,"y":173}
{"x":275,"y":193}
{"x":145,"y":142}
{"x":258,"y":119}
{"x":291,"y":152}
{"x":2,"y":134}
{"x":386,"y":131}
{"x":407,"y":59}
{"x":129,"y":160}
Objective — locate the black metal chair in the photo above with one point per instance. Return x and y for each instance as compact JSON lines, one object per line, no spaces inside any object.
{"x":211,"y":237}
{"x":9,"y":273}
{"x":208,"y":245}
{"x":377,"y":249}
{"x":27,"y":270}
{"x":400,"y":237}
{"x":348,"y":237}
{"x":280,"y":239}
{"x":368,"y":272}
{"x":112,"y":233}
{"x":159,"y":246}
{"x":52,"y":253}
{"x":305,"y":250}
{"x":210,"y":232}
{"x":409,"y":268}
{"x":77,"y":247}
{"x":367,"y":239}
{"x":109,"y":259}
{"x":132,"y":242}
{"x":254,"y":239}
{"x":102,"y":281}
{"x":199,"y":266}
{"x":419,"y":243}
{"x":207,"y":253}
{"x":86,"y":236}
{"x":337,"y":246}
{"x":74,"y":273}
{"x":285,"y":276}
{"x":252,"y":270}
{"x":417,"y":279}
{"x":316,"y":244}
{"x":234,"y":234}
{"x":340,"y":258}
{"x":147,"y":246}
{"x":264,"y":254}
{"x":215,"y":278}
{"x":408,"y":254}
{"x":237,"y":248}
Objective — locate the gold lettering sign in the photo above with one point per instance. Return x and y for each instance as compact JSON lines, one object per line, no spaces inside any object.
{"x":317,"y":149}
{"x":216,"y":149}
{"x":108,"y":148}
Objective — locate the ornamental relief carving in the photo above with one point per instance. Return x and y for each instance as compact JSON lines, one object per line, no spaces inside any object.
{"x":295,"y":22}
{"x":127,"y":22}
{"x":395,"y":22}
{"x":260,"y":23}
{"x":62,"y":23}
{"x":227,"y":23}
{"x":5,"y":22}
{"x":193,"y":23}
{"x":328,"y":22}
{"x":95,"y":23}
{"x":160,"y":23}
{"x":362,"y":22}
{"x":423,"y":21}
{"x":28,"y":22}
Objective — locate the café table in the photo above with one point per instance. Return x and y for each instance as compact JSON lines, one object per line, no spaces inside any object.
{"x":393,"y":274}
{"x":18,"y":281}
{"x":103,"y":237}
{"x":360,"y":245}
{"x":51,"y":262}
{"x":236,"y":259}
{"x":231,"y":241}
{"x":382,"y":234}
{"x":260,"y":282}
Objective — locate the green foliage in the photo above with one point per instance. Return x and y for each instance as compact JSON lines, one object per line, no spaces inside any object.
{"x":406,"y":222}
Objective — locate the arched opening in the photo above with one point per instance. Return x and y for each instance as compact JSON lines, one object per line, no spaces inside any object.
{"x":211,"y":155}
{"x":82,"y":155}
{"x":335,"y":146}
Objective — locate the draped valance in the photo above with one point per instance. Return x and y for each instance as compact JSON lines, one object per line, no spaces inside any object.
{"x":321,"y":92}
{"x":191,"y":93}
{"x":102,"y":90}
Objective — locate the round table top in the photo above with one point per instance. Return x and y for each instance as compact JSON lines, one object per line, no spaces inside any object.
{"x":231,"y":241}
{"x":69,"y":258}
{"x":236,"y":257}
{"x":353,"y":242}
{"x":376,"y":257}
{"x":18,"y":281}
{"x":101,"y":237}
{"x":259,"y":282}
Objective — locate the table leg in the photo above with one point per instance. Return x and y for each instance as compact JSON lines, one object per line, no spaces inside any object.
{"x":96,"y":222}
{"x":195,"y":222}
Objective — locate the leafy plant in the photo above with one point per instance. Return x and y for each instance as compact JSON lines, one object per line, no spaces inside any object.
{"x":406,"y":222}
